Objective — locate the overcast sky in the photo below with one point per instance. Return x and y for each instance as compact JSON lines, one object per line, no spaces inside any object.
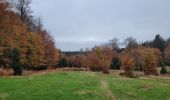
{"x":77,"y":24}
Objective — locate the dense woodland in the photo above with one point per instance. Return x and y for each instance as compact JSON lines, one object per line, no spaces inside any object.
{"x":26,"y":45}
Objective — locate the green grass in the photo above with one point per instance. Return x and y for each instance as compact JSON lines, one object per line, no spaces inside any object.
{"x":82,"y":86}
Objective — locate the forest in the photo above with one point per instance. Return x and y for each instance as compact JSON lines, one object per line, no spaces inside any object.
{"x":27,"y":46}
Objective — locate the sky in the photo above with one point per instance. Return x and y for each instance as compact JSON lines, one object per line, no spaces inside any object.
{"x":77,"y":24}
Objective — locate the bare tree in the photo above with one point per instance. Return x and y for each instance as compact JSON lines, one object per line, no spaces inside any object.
{"x":130,"y":42}
{"x":23,"y":8}
{"x":114,"y":43}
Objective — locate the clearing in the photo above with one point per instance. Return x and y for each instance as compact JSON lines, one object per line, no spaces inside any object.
{"x":69,"y":85}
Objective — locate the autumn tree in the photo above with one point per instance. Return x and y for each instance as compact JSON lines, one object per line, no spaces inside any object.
{"x":167,"y":54}
{"x":137,"y":55}
{"x":128,"y":65}
{"x":99,"y":59}
{"x":10,"y":30}
{"x":93,"y":61}
{"x":51,"y":53}
{"x":150,"y":62}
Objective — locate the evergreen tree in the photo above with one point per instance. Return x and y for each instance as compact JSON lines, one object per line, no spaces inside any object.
{"x":16,"y":65}
{"x":159,"y":43}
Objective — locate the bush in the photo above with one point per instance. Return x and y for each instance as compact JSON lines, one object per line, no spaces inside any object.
{"x":163,"y":70}
{"x":39,"y":68}
{"x":17,"y":69}
{"x":63,"y":62}
{"x":105,"y":71}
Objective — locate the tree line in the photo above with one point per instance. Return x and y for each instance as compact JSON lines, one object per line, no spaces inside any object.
{"x":145,"y":56}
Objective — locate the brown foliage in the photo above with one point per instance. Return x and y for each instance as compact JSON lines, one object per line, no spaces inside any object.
{"x":128,"y":65}
{"x":167,"y":54}
{"x":150,"y":61}
{"x":99,"y":59}
{"x":51,"y":53}
{"x":35,"y":49}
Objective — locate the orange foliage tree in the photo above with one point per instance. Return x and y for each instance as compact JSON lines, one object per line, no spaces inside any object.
{"x":151,"y":61}
{"x":128,"y":65}
{"x":167,"y":54}
{"x":99,"y":59}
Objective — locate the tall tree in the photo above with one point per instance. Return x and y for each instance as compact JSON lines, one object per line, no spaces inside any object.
{"x":114,"y":43}
{"x":128,"y":65}
{"x":150,"y":61}
{"x":159,"y":43}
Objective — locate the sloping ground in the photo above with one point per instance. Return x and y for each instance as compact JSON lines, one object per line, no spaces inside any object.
{"x":83,"y":86}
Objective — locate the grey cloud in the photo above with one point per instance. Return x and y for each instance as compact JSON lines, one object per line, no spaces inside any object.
{"x":84,"y":23}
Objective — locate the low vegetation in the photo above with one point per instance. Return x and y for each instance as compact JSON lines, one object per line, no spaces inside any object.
{"x":86,"y":86}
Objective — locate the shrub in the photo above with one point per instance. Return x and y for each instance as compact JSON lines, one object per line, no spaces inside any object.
{"x":163,"y":70}
{"x":17,"y":69}
{"x":39,"y":68}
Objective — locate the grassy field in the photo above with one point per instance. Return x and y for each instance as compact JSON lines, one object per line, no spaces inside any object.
{"x":83,"y":86}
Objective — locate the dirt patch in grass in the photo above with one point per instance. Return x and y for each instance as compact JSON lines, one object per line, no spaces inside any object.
{"x":146,"y":87}
{"x":82,"y":92}
{"x":27,"y":73}
{"x":3,"y":96}
{"x":154,"y":77}
{"x":105,"y":87}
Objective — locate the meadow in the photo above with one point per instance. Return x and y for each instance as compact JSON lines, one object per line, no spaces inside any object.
{"x":69,"y":85}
